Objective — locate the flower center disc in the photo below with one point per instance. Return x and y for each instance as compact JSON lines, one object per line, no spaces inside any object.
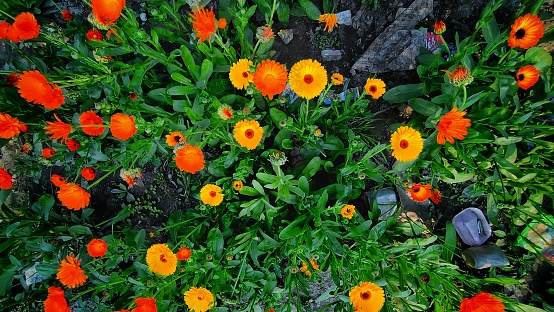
{"x":308,"y":79}
{"x":373,"y":89}
{"x":520,"y":33}
{"x":365,"y":295}
{"x":404,"y":144}
{"x":520,"y":77}
{"x":163,"y":259}
{"x":249,"y":133}
{"x":200,"y":298}
{"x":269,"y":79}
{"x":245,"y":74}
{"x":213,"y":193}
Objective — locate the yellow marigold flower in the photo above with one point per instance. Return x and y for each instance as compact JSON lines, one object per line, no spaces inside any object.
{"x":308,"y":78}
{"x":210,"y":194}
{"x":337,"y":79}
{"x":367,"y":297}
{"x":174,"y":138}
{"x":406,"y":144}
{"x":161,"y":260}
{"x":304,"y":267}
{"x":375,"y":87}
{"x":330,"y":20}
{"x":439,"y":27}
{"x":314,"y":265}
{"x":237,"y":185}
{"x":225,"y":112}
{"x":248,"y":133}
{"x":348,"y":211}
{"x":317,"y":132}
{"x":239,"y":74}
{"x":199,"y":299}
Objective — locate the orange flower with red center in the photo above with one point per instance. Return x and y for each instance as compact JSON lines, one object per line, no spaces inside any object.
{"x":129,"y":176}
{"x":183,"y":253}
{"x":406,"y":144}
{"x":452,"y":125}
{"x":161,"y":260}
{"x":58,"y":129}
{"x":203,"y":23}
{"x":248,"y":133}
{"x":34,"y":88}
{"x":375,"y":87}
{"x":88,"y":173}
{"x":55,"y":302}
{"x":73,"y":196}
{"x":270,"y":78}
{"x":73,"y":144}
{"x":26,"y":26}
{"x":239,"y":74}
{"x":174,"y":138}
{"x":97,"y":248}
{"x":439,"y":27}
{"x":66,"y":15}
{"x":526,"y":32}
{"x":482,"y":302}
{"x":419,"y":192}
{"x":6,"y":180}
{"x":57,"y":180}
{"x":107,"y":11}
{"x":210,"y":194}
{"x":91,"y":123}
{"x":48,"y":152}
{"x":70,"y":273}
{"x":94,"y":34}
{"x":308,"y":78}
{"x":122,"y":126}
{"x":460,"y":77}
{"x":10,"y":126}
{"x":527,"y":76}
{"x":189,"y":158}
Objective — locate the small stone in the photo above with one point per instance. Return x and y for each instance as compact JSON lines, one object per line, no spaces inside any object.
{"x":387,"y":202}
{"x":32,"y":276}
{"x":331,"y":55}
{"x":143,"y":17}
{"x":286,"y":35}
{"x":344,"y":18}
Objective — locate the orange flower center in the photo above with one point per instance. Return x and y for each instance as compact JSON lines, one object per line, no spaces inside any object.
{"x":269,"y":79}
{"x":213,"y":193}
{"x":228,"y":113}
{"x":520,"y":33}
{"x":162,"y":258}
{"x":249,"y":133}
{"x":308,"y":79}
{"x":365,"y":295}
{"x":404,"y":144}
{"x":245,"y":74}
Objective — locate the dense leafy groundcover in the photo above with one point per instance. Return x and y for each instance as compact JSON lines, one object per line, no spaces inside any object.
{"x":278,"y":175}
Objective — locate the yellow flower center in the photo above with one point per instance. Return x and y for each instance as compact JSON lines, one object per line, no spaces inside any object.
{"x":249,"y":133}
{"x":308,"y":79}
{"x":366,"y":295}
{"x":404,"y":144}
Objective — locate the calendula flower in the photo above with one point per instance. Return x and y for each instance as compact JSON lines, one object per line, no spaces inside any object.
{"x":48,"y":152}
{"x":34,"y":88}
{"x":129,"y":176}
{"x":435,"y":196}
{"x":10,"y":126}
{"x":73,"y":144}
{"x":107,"y":12}
{"x":419,"y":192}
{"x":26,"y":26}
{"x":367,"y":297}
{"x":73,"y":196}
{"x":482,"y":302}
{"x":330,"y":20}
{"x":183,"y":253}
{"x":221,"y":23}
{"x":70,"y":273}
{"x":91,"y":123}
{"x":57,"y":180}
{"x":314,"y":265}
{"x":66,"y":15}
{"x":94,"y":34}
{"x":133,"y":96}
{"x":5,"y":29}
{"x":527,"y":76}
{"x":265,"y":33}
{"x":337,"y":79}
{"x":308,"y":78}
{"x":348,"y":211}
{"x":526,"y":32}
{"x":248,"y":133}
{"x":145,"y":305}
{"x":294,"y":270}
{"x":210,"y":194}
{"x":460,"y":77}
{"x":6,"y":180}
{"x":375,"y":87}
{"x":203,"y":23}
{"x":199,"y":299}
{"x":97,"y":248}
{"x":174,"y":138}
{"x":439,"y":27}
{"x":122,"y":126}
{"x":189,"y":158}
{"x":239,"y":74}
{"x":304,"y":267}
{"x":237,"y":185}
{"x":406,"y":144}
{"x":452,"y":125}
{"x":58,"y":129}
{"x":270,"y":78}
{"x":88,"y":173}
{"x":161,"y":260}
{"x":13,"y":78}
{"x":55,"y":302}
{"x":225,"y":112}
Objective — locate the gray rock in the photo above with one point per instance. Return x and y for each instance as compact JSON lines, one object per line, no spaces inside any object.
{"x":344,"y":18}
{"x":32,"y":276}
{"x":286,"y":35}
{"x":143,"y":17}
{"x":386,"y":201}
{"x":331,"y":55}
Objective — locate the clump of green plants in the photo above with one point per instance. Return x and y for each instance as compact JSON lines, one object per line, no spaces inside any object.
{"x":324,"y":40}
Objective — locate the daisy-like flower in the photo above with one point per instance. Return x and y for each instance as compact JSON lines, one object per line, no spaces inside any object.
{"x":73,"y":144}
{"x":122,"y":126}
{"x":26,"y":26}
{"x":97,"y":248}
{"x":452,"y":125}
{"x":527,"y":76}
{"x":91,"y":123}
{"x":203,"y":23}
{"x":94,"y":34}
{"x":237,"y":185}
{"x":337,"y":79}
{"x":307,"y":78}
{"x":145,"y":305}
{"x":406,"y":144}
{"x":265,"y":33}
{"x":34,"y":88}
{"x":482,"y":302}
{"x":70,"y":273}
{"x":248,"y":133}
{"x":460,"y":77}
{"x":174,"y":138}
{"x":58,"y":129}
{"x":6,"y":180}
{"x":57,"y":180}
{"x":199,"y":299}
{"x":330,"y":20}
{"x":419,"y":192}
{"x":210,"y":194}
{"x":439,"y":27}
{"x":55,"y":302}
{"x":88,"y":173}
{"x":73,"y":196}
{"x":270,"y":78}
{"x":375,"y":87}
{"x":48,"y":152}
{"x":161,"y":260}
{"x":367,"y":297}
{"x":189,"y":158}
{"x":10,"y":126}
{"x":348,"y":211}
{"x":107,"y":12}
{"x":183,"y":254}
{"x":239,"y":74}
{"x":225,"y":112}
{"x":526,"y":32}
{"x":435,"y":196}
{"x":66,"y":15}
{"x":5,"y":29}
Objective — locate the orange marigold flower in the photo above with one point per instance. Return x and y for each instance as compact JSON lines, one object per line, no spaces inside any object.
{"x":435,"y":196}
{"x":270,"y":78}
{"x":314,"y":265}
{"x":225,"y":112}
{"x":161,"y":260}
{"x":91,"y":123}
{"x":337,"y":79}
{"x":145,"y":305}
{"x":237,"y":185}
{"x":452,"y":125}
{"x":482,"y":302}
{"x":73,"y":144}
{"x":25,"y":148}
{"x":239,"y":74}
{"x":122,"y":126}
{"x":174,"y":138}
{"x":203,"y":23}
{"x":6,"y":180}
{"x":48,"y":152}
{"x":375,"y":87}
{"x":189,"y":158}
{"x":348,"y":211}
{"x":10,"y":126}
{"x":12,"y":79}
{"x":265,"y":33}
{"x":70,"y":272}
{"x":130,"y":175}
{"x":58,"y":129}
{"x":66,"y":15}
{"x":210,"y":194}
{"x":26,"y":26}
{"x":73,"y":196}
{"x":367,"y":297}
{"x":527,"y":76}
{"x":526,"y":32}
{"x":183,"y":253}
{"x":248,"y":133}
{"x":55,"y":302}
{"x":5,"y":28}
{"x":419,"y":192}
{"x":107,"y":11}
{"x":221,"y":23}
{"x":460,"y":77}
{"x":57,"y":180}
{"x":97,"y":248}
{"x":34,"y":88}
{"x":88,"y":173}
{"x":330,"y":20}
{"x":439,"y":27}
{"x":94,"y":34}
{"x":406,"y":144}
{"x":199,"y":299}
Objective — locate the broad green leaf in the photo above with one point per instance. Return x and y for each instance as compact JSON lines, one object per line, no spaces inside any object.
{"x":312,"y":167}
{"x":403,"y":93}
{"x":311,"y":10}
{"x":294,"y":228}
{"x":424,"y":107}
{"x":538,"y":57}
{"x":449,"y":242}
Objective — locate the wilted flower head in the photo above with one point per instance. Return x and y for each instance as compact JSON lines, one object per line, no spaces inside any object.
{"x":265,"y":33}
{"x":460,"y":77}
{"x":277,"y":159}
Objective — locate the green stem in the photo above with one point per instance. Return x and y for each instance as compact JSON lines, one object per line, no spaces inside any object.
{"x":306,"y":113}
{"x":445,"y":46}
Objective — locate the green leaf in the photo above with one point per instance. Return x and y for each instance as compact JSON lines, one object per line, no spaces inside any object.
{"x":78,"y":230}
{"x":139,"y":238}
{"x":507,"y":141}
{"x":283,"y":12}
{"x":258,"y":187}
{"x":277,"y":116}
{"x":403,"y":93}
{"x":304,"y":185}
{"x":312,"y":12}
{"x":180,"y":78}
{"x":424,"y":107}
{"x":449,"y":243}
{"x":206,"y":70}
{"x":190,"y":65}
{"x":293,"y":229}
{"x":311,"y":168}
{"x":377,"y":231}
{"x":3,"y":195}
{"x":249,"y":191}
{"x":216,"y":242}
{"x":182,"y":90}
{"x":492,"y":209}
{"x":538,"y":57}
{"x":6,"y":281}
